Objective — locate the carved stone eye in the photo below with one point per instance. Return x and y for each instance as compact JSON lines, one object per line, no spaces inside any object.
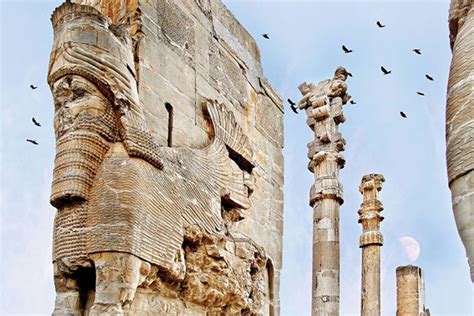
{"x":78,"y":93}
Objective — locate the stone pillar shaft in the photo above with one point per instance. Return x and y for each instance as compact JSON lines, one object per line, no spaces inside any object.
{"x":410,"y":291}
{"x":460,"y":123}
{"x":370,"y":297}
{"x":323,"y":104}
{"x":370,"y":241}
{"x":325,"y":257}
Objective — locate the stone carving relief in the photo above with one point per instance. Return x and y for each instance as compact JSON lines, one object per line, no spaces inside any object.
{"x":133,"y":214}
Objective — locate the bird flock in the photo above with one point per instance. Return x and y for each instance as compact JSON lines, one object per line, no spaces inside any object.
{"x":384,"y":70}
{"x":35,"y":122}
{"x":292,"y":104}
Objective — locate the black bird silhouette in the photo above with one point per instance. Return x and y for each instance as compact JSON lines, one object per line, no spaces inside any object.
{"x":291,"y":102}
{"x":385,"y":71}
{"x":293,"y":108}
{"x":417,"y":50}
{"x":265,"y":35}
{"x":346,"y":50}
{"x":403,"y":115}
{"x":420,"y":93}
{"x":33,"y":87}
{"x":380,"y":24}
{"x":353,"y":102}
{"x":429,"y":77}
{"x":35,"y":121}
{"x":34,"y":142}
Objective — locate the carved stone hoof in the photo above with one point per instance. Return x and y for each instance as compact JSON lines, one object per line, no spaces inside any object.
{"x":106,"y":309}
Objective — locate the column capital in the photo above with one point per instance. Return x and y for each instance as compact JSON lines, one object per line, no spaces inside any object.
{"x":369,"y":211}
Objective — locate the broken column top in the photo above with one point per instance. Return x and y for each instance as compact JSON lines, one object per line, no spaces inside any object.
{"x":332,"y":88}
{"x":369,"y":212}
{"x":370,"y":185}
{"x":408,"y":269}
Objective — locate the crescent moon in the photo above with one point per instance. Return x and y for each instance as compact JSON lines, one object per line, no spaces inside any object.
{"x":411,"y":247}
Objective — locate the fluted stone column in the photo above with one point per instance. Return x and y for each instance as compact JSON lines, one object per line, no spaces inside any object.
{"x":323,"y":104}
{"x":370,"y":241}
{"x":460,"y":122}
{"x":411,"y":291}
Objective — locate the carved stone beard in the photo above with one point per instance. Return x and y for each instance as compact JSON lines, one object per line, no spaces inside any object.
{"x":85,"y":126}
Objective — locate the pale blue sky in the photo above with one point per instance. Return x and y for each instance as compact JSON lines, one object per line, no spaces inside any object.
{"x":304,"y":45}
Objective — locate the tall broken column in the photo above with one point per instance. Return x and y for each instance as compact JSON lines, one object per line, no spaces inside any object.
{"x":370,"y":241}
{"x":460,"y":122}
{"x":323,"y":103}
{"x":411,"y":291}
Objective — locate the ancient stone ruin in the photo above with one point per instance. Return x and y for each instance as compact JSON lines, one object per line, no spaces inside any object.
{"x":323,"y":103}
{"x":169,"y":170}
{"x":411,"y":292}
{"x":460,"y":122}
{"x":371,"y":240}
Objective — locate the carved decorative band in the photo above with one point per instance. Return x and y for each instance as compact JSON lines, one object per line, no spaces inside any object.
{"x":371,"y":238}
{"x":372,"y":205}
{"x":326,"y":188}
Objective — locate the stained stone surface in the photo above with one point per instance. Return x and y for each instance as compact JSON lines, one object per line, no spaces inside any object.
{"x":323,"y":103}
{"x":169,"y":169}
{"x":460,"y":122}
{"x":411,"y":291}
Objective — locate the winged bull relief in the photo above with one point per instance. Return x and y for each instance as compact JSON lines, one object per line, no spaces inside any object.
{"x":132,"y":213}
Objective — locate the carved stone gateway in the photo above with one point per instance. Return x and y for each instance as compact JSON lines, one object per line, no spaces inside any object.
{"x":168,"y":171}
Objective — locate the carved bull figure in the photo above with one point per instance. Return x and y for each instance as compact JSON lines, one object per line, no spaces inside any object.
{"x":124,"y":202}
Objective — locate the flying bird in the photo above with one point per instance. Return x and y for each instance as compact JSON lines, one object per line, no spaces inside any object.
{"x":33,"y":87}
{"x":293,"y":108}
{"x":403,"y":115}
{"x":346,"y":50}
{"x":380,"y":24}
{"x":353,"y":102}
{"x":417,"y":50}
{"x":429,"y":77}
{"x":420,"y":93}
{"x":265,"y":35}
{"x":385,"y":71}
{"x":35,"y":121}
{"x":34,"y":142}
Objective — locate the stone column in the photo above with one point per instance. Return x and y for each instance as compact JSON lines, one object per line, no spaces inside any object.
{"x":323,"y":104}
{"x":370,"y":241}
{"x":460,"y":122}
{"x":411,"y":291}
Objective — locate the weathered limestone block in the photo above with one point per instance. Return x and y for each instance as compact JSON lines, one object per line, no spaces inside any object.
{"x":323,"y":103}
{"x":371,"y":240}
{"x":159,"y":187}
{"x":460,"y":122}
{"x":411,"y":292}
